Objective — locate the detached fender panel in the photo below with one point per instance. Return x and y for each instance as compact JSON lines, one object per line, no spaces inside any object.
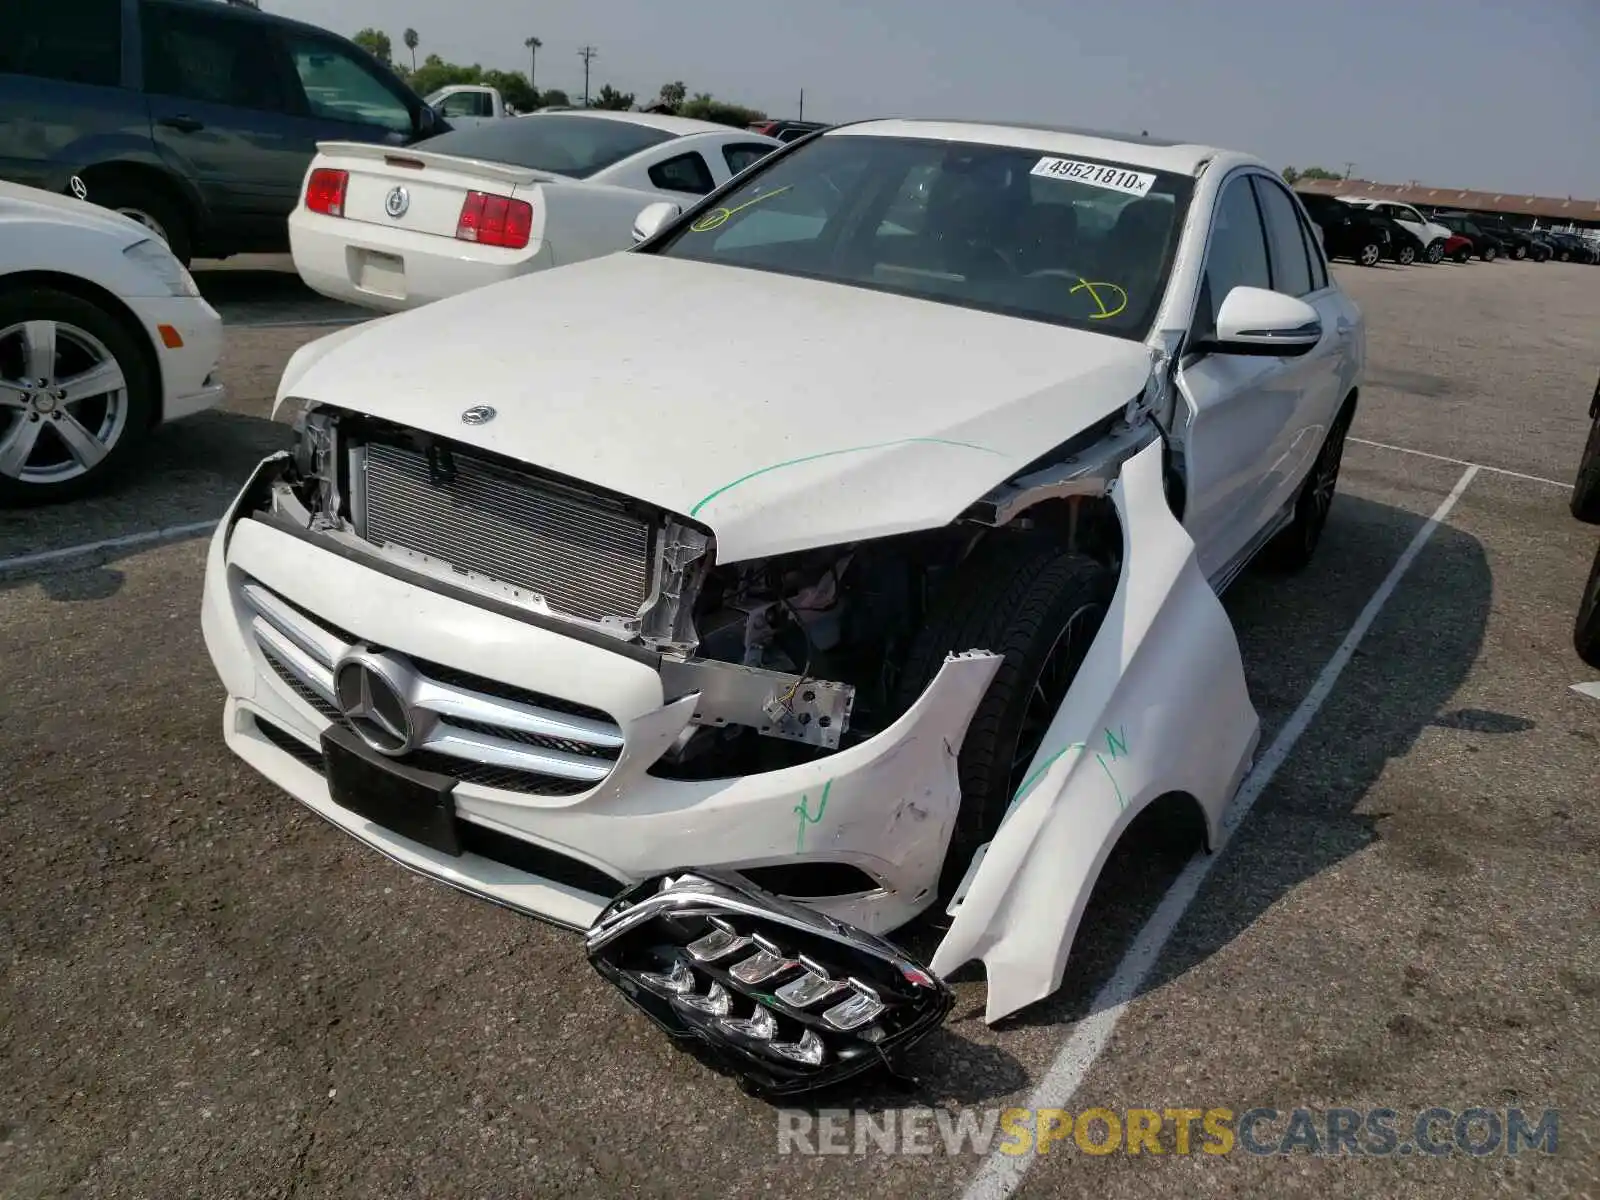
{"x":1159,"y":706}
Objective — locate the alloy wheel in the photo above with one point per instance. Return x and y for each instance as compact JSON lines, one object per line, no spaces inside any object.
{"x":1407,"y":256}
{"x":63,"y":402}
{"x":1435,"y":253}
{"x":145,"y":219}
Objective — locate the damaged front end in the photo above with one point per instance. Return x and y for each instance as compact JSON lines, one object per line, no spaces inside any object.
{"x":789,"y":1000}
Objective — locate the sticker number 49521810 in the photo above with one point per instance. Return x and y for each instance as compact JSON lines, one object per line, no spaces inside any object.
{"x":1116,"y":179}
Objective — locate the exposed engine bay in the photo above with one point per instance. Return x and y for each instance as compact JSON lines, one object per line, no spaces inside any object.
{"x":793,"y":657}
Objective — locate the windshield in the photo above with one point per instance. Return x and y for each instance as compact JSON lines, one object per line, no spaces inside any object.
{"x":998,"y":228}
{"x":567,"y":145}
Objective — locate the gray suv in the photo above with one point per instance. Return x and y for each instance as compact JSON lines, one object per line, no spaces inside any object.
{"x":197,"y":118}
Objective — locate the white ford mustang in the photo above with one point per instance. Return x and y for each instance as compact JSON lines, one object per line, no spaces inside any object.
{"x":589,"y":579}
{"x":393,"y":229}
{"x":103,"y":336}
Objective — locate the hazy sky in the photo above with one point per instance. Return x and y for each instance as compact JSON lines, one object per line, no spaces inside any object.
{"x":1496,"y":94}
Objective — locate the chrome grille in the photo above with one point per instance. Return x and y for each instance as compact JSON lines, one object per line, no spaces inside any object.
{"x":481,"y":731}
{"x":586,"y":554}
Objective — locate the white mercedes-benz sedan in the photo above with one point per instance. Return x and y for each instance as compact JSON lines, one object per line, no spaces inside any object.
{"x":391,"y":229}
{"x":588,"y":582}
{"x":103,"y":336}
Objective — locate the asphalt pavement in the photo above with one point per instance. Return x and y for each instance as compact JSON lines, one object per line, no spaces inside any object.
{"x":209,"y":992}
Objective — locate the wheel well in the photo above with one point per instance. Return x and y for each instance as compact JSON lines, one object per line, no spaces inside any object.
{"x":151,"y":177}
{"x":112,"y":303}
{"x":1347,"y":411}
{"x":1174,"y":824}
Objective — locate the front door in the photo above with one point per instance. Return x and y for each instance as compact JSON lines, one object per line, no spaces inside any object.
{"x":1254,"y":425}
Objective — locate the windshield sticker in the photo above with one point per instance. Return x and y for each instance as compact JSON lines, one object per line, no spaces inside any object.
{"x":718,"y":217}
{"x":1108,"y":297}
{"x":1115,"y":179}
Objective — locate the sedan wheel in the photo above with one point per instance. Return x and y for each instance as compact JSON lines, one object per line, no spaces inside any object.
{"x":1435,"y":252}
{"x":74,"y":395}
{"x":1370,"y":254}
{"x":1292,"y":549}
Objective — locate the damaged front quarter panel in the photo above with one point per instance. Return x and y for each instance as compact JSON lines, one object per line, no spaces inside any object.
{"x":1159,"y":707}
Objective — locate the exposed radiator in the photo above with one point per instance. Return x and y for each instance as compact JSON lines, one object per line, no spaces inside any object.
{"x":586,"y":554}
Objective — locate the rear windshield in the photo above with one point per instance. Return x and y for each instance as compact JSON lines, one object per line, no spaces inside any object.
{"x":567,"y":145}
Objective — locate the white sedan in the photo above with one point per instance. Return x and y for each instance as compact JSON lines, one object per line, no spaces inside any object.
{"x":103,"y":336}
{"x":392,"y":229}
{"x":585,"y":582}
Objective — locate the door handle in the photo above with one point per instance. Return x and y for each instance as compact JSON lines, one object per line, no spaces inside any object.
{"x":183,"y":124}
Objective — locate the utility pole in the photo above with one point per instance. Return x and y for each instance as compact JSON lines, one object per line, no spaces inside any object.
{"x":1348,"y":167}
{"x":588,"y":54}
{"x":802,"y":104}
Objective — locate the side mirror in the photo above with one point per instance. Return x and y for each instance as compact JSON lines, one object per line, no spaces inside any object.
{"x":654,"y":219}
{"x":1264,"y":323}
{"x":428,"y":121}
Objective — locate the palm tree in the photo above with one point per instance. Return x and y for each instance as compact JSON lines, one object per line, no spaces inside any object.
{"x":533,"y":45}
{"x":411,"y":39}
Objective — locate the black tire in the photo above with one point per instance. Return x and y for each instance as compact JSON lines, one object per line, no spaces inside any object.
{"x":1566,"y":256}
{"x":1489,"y":254}
{"x":1294,"y":547}
{"x":1586,"y":630}
{"x":1462,"y":256}
{"x":1519,"y":253}
{"x":1407,"y":255}
{"x":139,"y":395}
{"x":1585,"y":502}
{"x":1370,"y":254}
{"x":1038,"y":605}
{"x":151,"y":208}
{"x":1434,"y":253}
{"x":1540,"y":256}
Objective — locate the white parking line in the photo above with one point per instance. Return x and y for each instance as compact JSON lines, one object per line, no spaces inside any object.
{"x":89,"y":550}
{"x":1460,"y":462}
{"x":1001,"y":1174}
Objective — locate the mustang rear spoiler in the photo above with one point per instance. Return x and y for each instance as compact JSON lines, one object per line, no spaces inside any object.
{"x":404,"y":156}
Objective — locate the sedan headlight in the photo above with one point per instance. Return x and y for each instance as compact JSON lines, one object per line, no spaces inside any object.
{"x":153,"y":256}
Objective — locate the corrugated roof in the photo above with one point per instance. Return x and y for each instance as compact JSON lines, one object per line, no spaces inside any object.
{"x":1550,"y":208}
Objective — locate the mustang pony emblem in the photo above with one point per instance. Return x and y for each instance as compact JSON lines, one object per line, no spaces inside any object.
{"x":478,"y":414}
{"x":397,"y":202}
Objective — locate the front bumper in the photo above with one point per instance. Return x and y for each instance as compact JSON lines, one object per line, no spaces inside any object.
{"x":884,"y":806}
{"x":189,"y":382}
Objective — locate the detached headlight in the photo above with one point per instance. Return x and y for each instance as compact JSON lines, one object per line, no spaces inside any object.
{"x":153,"y":256}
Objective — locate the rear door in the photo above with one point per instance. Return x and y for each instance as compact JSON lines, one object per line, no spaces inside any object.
{"x":221,"y":110}
{"x":1254,"y":424}
{"x":62,"y":93}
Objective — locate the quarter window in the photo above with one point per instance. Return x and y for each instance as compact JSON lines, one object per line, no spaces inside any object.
{"x":75,"y":43}
{"x":1286,"y":246}
{"x":739,"y":155}
{"x":685,"y":173}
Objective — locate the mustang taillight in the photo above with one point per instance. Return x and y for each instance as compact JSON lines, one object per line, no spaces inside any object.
{"x":788,"y":999}
{"x":325,"y":191}
{"x":495,"y":221}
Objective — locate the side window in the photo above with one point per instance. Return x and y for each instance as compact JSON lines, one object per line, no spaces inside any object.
{"x":212,"y":58}
{"x":1286,"y":244}
{"x":1237,"y":256}
{"x":75,"y":43}
{"x":463,"y":104}
{"x":339,"y":87}
{"x":685,"y":173}
{"x":740,"y":155}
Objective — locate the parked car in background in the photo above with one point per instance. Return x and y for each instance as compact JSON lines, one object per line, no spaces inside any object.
{"x":551,"y":600}
{"x":1485,"y":245}
{"x":195,"y":118}
{"x":1349,"y":231}
{"x":392,"y":230}
{"x":103,"y":336}
{"x":1515,"y":243}
{"x":1429,"y":234}
{"x":1404,"y":246}
{"x":1569,"y":247}
{"x":785,"y":131}
{"x":1458,"y":248}
{"x":463,"y":105}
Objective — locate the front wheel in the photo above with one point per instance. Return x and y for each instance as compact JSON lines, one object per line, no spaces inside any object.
{"x":1293,"y":548}
{"x":1435,"y":253}
{"x":1407,"y":255}
{"x":1585,"y":502}
{"x":1520,"y":253}
{"x":1586,"y":630}
{"x":140,"y":202}
{"x":1462,"y":256}
{"x":75,"y":395}
{"x":1040,"y":606}
{"x":1370,"y":254}
{"x":1489,"y":253}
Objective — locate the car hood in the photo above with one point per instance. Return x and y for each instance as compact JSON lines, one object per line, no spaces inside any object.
{"x":782,"y":413}
{"x":26,"y":203}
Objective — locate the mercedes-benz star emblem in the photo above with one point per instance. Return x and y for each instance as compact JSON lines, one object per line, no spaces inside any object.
{"x":371,"y":691}
{"x":398,"y":201}
{"x":79,"y":188}
{"x":478,"y":414}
